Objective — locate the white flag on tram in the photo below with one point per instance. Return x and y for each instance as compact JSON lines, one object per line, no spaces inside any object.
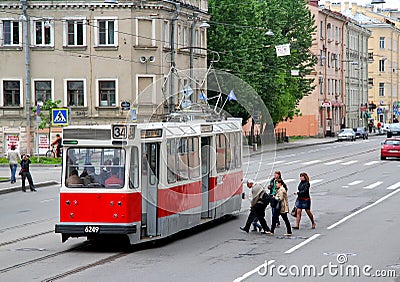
{"x":282,"y":50}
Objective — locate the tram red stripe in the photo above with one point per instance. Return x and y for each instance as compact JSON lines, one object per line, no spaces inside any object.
{"x":179,"y":198}
{"x":100,"y":207}
{"x":229,"y":185}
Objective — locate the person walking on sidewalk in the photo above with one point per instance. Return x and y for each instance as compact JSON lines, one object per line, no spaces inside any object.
{"x":303,"y":200}
{"x":13,"y":157}
{"x":281,"y":195}
{"x":25,"y":173}
{"x":257,"y":207}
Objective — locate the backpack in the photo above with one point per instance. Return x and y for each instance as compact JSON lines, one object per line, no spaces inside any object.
{"x":265,"y":198}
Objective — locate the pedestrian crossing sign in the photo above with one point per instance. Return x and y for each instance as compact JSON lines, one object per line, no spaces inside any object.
{"x":59,"y":116}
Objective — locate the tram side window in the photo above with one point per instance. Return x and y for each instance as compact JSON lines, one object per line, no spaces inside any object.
{"x":171,"y":160}
{"x":134,"y":169}
{"x":230,"y":145}
{"x":182,"y":161}
{"x":194,"y":161}
{"x":238,"y":155}
{"x":220,"y":138}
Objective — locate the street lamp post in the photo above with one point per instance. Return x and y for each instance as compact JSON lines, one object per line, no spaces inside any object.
{"x":27,"y":78}
{"x":191,"y":51}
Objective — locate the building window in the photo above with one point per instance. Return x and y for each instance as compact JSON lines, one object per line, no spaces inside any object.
{"x":43,"y":33}
{"x":75,"y":32}
{"x":179,"y":36}
{"x":11,"y":92}
{"x":370,"y":56}
{"x":166,"y":35}
{"x":370,"y":81}
{"x":321,"y":85}
{"x":185,"y":36}
{"x":42,"y":91}
{"x":107,"y":93}
{"x":75,"y":93}
{"x":382,"y":42}
{"x":145,"y":33}
{"x":106,"y":32}
{"x":381,"y":65}
{"x":381,"y":89}
{"x":321,"y":29}
{"x":11,"y":33}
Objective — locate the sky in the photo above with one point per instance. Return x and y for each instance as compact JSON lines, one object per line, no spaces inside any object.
{"x":389,"y":3}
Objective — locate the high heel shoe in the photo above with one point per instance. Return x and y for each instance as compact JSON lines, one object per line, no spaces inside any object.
{"x":313,"y":226}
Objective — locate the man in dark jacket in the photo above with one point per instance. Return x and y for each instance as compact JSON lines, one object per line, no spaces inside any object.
{"x":257,"y":207}
{"x":25,"y":173}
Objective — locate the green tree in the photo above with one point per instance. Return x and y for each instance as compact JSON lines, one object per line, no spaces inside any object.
{"x":46,"y":113}
{"x":238,"y":33}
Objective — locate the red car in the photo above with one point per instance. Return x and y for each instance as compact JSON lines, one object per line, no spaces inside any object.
{"x":390,"y":148}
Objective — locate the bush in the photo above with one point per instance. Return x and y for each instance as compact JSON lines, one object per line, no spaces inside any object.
{"x":34,"y":160}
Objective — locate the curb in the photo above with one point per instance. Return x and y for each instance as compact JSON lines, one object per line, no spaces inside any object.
{"x":34,"y":165}
{"x":18,"y":187}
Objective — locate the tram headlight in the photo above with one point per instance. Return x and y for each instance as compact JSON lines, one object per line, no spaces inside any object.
{"x":67,"y":202}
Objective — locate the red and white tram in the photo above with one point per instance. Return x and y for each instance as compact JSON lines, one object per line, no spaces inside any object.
{"x":148,"y":181}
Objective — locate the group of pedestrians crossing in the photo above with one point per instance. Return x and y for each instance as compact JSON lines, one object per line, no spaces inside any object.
{"x":277,"y":197}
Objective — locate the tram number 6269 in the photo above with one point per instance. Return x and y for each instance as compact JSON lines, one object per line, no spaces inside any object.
{"x":92,"y":229}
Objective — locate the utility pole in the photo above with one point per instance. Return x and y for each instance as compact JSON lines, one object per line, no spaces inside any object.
{"x":195,"y":15}
{"x":27,"y":78}
{"x":172,"y":42}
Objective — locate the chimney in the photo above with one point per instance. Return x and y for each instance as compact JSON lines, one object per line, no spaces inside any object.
{"x":314,"y":3}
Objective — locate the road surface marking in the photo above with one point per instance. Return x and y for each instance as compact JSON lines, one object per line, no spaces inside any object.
{"x":334,"y":162}
{"x":394,"y":186}
{"x":315,"y":181}
{"x":315,"y":236}
{"x":363,"y":209}
{"x":312,"y":162}
{"x":48,"y":200}
{"x":345,"y":186}
{"x":372,"y":163}
{"x":355,"y":182}
{"x":275,"y":162}
{"x":289,"y":180}
{"x":349,"y":162}
{"x":292,"y":162}
{"x":373,"y":185}
{"x":255,"y":270}
{"x":313,"y":151}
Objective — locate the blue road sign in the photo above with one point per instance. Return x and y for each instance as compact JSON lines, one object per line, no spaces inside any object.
{"x":379,"y":111}
{"x":60,"y":116}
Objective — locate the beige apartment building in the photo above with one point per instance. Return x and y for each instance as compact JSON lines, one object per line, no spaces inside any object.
{"x":383,"y":58}
{"x":105,"y":60}
{"x":340,"y":94}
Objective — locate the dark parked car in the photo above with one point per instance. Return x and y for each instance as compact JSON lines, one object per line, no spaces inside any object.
{"x":390,"y":148}
{"x":361,"y":132}
{"x":393,"y":129}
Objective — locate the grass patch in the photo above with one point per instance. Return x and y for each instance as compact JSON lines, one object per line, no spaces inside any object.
{"x":4,"y":178}
{"x":34,"y":160}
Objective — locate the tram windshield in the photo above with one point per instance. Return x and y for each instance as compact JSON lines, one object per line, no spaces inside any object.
{"x":95,"y":168}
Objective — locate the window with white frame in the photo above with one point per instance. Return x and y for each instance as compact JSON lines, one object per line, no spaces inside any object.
{"x":11,"y":93}
{"x":75,"y":93}
{"x":75,"y":32}
{"x":11,"y":33}
{"x":179,"y":36}
{"x":185,"y":36}
{"x":381,"y":89}
{"x":43,"y":32}
{"x":382,"y":42}
{"x":42,"y":90}
{"x":106,"y":32}
{"x":382,"y":65}
{"x":166,"y":34}
{"x":145,"y":32}
{"x":107,"y":93}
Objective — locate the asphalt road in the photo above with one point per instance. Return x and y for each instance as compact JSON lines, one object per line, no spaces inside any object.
{"x":355,"y":199}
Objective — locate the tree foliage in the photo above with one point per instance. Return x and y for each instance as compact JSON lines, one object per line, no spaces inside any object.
{"x":46,"y":112}
{"x":238,"y":34}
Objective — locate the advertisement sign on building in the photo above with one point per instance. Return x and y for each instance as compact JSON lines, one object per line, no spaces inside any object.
{"x":44,"y":143}
{"x":12,"y":139}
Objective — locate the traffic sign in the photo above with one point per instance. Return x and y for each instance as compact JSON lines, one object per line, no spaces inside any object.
{"x":379,"y":111}
{"x":59,"y":116}
{"x":125,"y":106}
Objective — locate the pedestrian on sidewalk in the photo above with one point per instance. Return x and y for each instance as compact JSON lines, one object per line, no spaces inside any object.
{"x":281,"y":195}
{"x":25,"y":173}
{"x":257,"y":207}
{"x":13,"y":157}
{"x":303,"y":200}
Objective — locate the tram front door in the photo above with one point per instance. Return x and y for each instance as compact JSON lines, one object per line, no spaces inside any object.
{"x":150,"y":173}
{"x":205,"y":176}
